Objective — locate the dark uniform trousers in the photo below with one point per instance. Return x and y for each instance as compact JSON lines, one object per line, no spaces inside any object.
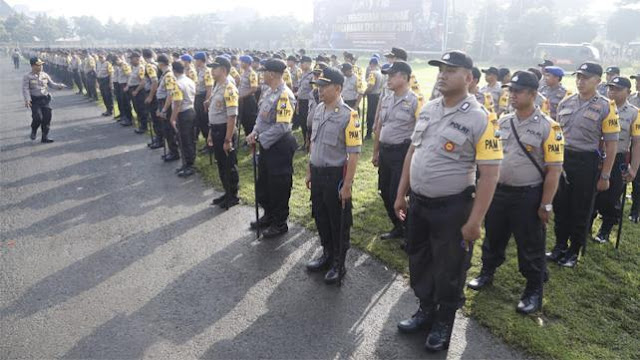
{"x":92,"y":85}
{"x":390,"y":165}
{"x":105,"y":91}
{"x":78,"y":80}
{"x":202,"y":118}
{"x":247,"y":113}
{"x":438,"y":262}
{"x":275,"y":178}
{"x":83,"y":78}
{"x":139,"y":107}
{"x":169,"y":133}
{"x":185,"y":133}
{"x":16,"y":62}
{"x":608,"y":202}
{"x":303,"y":113}
{"x":635,"y":196}
{"x":372,"y":106}
{"x":326,"y":209}
{"x":573,"y":203}
{"x":152,"y":108}
{"x":227,"y":164}
{"x":117,"y":93}
{"x":41,"y":113}
{"x":514,"y":210}
{"x":125,"y":107}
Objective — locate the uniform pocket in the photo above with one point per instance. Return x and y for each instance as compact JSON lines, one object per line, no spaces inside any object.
{"x":416,"y":138}
{"x":451,"y":143}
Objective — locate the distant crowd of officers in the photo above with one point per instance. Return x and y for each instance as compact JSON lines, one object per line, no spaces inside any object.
{"x":506,"y":155}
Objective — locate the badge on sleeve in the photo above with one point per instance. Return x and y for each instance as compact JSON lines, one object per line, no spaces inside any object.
{"x":284,"y":110}
{"x":353,"y":132}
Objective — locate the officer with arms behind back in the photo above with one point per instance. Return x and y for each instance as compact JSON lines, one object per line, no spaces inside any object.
{"x":453,"y":134}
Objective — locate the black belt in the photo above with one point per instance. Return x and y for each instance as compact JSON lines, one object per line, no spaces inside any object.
{"x":327,"y":171}
{"x":586,"y":155}
{"x":518,"y":189}
{"x":466,"y":195}
{"x":400,"y":146}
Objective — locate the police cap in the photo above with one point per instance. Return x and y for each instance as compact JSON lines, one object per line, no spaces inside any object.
{"x":398,"y":66}
{"x":274,"y":65}
{"x":398,"y":53}
{"x":589,"y":69}
{"x":454,"y":58}
{"x":620,"y":82}
{"x":330,"y":76}
{"x":523,"y":80}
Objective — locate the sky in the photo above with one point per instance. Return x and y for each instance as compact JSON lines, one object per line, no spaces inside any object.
{"x":143,"y":11}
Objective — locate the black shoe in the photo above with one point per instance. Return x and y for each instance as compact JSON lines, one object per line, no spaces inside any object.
{"x":396,"y":233}
{"x":530,"y":302}
{"x":126,"y":122}
{"x":556,"y":254}
{"x":156,"y":144}
{"x":107,"y":113}
{"x":335,"y":274}
{"x":180,"y":169}
{"x":33,"y":134}
{"x":188,"y":171}
{"x":420,"y":321}
{"x":602,"y":237}
{"x":440,"y":333}
{"x":46,"y":140}
{"x":219,"y":199}
{"x":140,"y":131}
{"x":368,"y":137}
{"x":205,"y":150}
{"x":480,"y":282}
{"x":569,"y":260}
{"x":230,"y":202}
{"x":320,"y":264}
{"x":634,"y":218}
{"x":117,"y":117}
{"x":275,"y":231}
{"x":264,"y":222}
{"x":171,"y":157}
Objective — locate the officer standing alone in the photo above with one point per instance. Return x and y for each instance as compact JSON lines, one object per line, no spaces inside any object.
{"x":453,"y":135}
{"x":335,"y":146}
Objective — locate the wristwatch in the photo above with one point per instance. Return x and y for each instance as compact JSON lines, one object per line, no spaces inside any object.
{"x":547,"y":207}
{"x":605,"y":176}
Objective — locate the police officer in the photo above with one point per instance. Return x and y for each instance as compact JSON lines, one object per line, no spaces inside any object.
{"x":204,"y":86}
{"x":351,"y":90}
{"x":76,"y":64}
{"x":150,"y":100}
{"x":533,"y":148}
{"x":553,"y":90}
{"x":611,"y":72}
{"x":397,"y":53}
{"x":105,"y":77}
{"x":277,"y":147}
{"x":90,"y":73}
{"x":135,"y":89}
{"x":124,"y":72}
{"x":608,"y":202}
{"x":304,"y":94}
{"x":166,"y":85}
{"x":453,"y":135}
{"x":315,"y":98}
{"x":634,"y":215}
{"x":493,"y":87}
{"x":398,"y":112}
{"x":505,"y":107}
{"x":189,"y":68}
{"x":543,"y":65}
{"x":183,"y":116}
{"x":335,"y":147}
{"x":634,"y":99}
{"x":586,"y":118}
{"x":223,"y":113}
{"x":35,"y":90}
{"x":484,"y":99}
{"x":375,"y":84}
{"x":248,"y":106}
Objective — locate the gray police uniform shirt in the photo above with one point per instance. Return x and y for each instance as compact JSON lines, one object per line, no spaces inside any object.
{"x":125,"y":72}
{"x":223,"y":103}
{"x":584,"y":123}
{"x":305,"y":89}
{"x":398,"y":117}
{"x":166,"y":84}
{"x":313,"y":102}
{"x":542,"y":139}
{"x":602,"y":89}
{"x":275,"y":113}
{"x":103,"y":69}
{"x":150,"y":74}
{"x":349,"y":88}
{"x":136,"y":76}
{"x":204,"y":80}
{"x":247,"y":77}
{"x":448,"y":145}
{"x":496,"y":92}
{"x":36,"y":84}
{"x":185,"y":92}
{"x":336,"y":133}
{"x":628,"y":115}
{"x":635,"y":99}
{"x":376,"y":78}
{"x":555,"y":95}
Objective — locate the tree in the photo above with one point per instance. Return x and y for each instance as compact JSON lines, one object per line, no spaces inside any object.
{"x":523,"y":33}
{"x":579,"y":30}
{"x":486,"y":31}
{"x":622,"y":26}
{"x":46,"y":29}
{"x":19,"y":28}
{"x":88,"y":27}
{"x":457,"y":31}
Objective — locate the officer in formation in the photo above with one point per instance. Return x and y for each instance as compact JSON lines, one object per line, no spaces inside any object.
{"x":554,"y":91}
{"x":484,"y":99}
{"x":353,"y":90}
{"x":166,"y":86}
{"x":223,"y":113}
{"x":277,"y":146}
{"x":304,"y":94}
{"x":591,"y":129}
{"x":375,"y":84}
{"x":399,"y":110}
{"x":635,"y":194}
{"x":453,"y":135}
{"x":397,"y":53}
{"x":248,"y":87}
{"x":492,"y":87}
{"x":533,"y":147}
{"x":610,"y":73}
{"x":105,"y":81}
{"x":35,"y":91}
{"x":150,"y":101}
{"x":335,"y":147}
{"x":124,"y":101}
{"x":608,"y":202}
{"x":135,"y":89}
{"x":90,"y":67}
{"x":204,"y":86}
{"x":76,"y":64}
{"x":504,"y":106}
{"x":315,"y":97}
{"x":542,"y":67}
{"x":183,"y":117}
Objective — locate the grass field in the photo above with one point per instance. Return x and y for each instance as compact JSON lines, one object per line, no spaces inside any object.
{"x":590,"y":312}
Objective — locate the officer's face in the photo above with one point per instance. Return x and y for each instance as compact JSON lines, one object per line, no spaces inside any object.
{"x":36,"y":68}
{"x":219,"y":72}
{"x":200,"y":63}
{"x":490,"y":78}
{"x":617,"y":94}
{"x":329,"y":93}
{"x":391,"y":59}
{"x":397,"y":81}
{"x":610,"y":76}
{"x":522,"y":98}
{"x":587,"y":84}
{"x":453,"y":80}
{"x":135,"y":61}
{"x":551,"y":80}
{"x":347,"y":73}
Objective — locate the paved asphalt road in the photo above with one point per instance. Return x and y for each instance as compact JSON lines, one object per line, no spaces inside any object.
{"x":105,"y":253}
